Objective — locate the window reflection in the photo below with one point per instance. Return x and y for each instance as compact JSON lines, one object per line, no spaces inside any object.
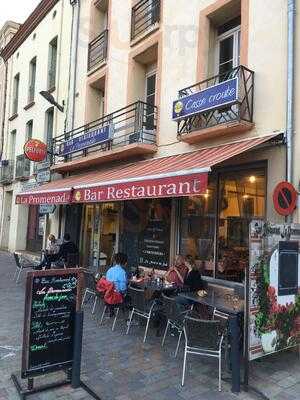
{"x":242,"y":198}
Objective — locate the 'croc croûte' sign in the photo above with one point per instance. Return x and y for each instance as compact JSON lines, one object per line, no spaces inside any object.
{"x":35,"y":150}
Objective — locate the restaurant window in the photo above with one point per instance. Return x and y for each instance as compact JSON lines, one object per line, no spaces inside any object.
{"x":145,"y":233}
{"x":197,"y":228}
{"x":242,"y":197}
{"x":214,"y":226}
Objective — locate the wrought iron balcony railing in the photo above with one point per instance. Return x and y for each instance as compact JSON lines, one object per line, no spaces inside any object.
{"x":22,"y":167}
{"x":98,"y":50}
{"x":6,"y":172}
{"x":240,"y":110}
{"x":135,"y":123}
{"x":145,"y":14}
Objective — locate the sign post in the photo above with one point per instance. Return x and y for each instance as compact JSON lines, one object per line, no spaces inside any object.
{"x":52,"y":335}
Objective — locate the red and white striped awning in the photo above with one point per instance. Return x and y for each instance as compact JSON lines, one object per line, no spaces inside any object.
{"x":174,"y":176}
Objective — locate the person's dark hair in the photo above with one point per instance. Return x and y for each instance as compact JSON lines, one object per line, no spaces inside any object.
{"x":67,"y":237}
{"x":120,"y":258}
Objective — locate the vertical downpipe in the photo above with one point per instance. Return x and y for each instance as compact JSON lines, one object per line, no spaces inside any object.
{"x":290,"y":93}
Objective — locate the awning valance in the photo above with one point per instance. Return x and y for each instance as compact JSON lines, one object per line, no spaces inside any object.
{"x":174,"y":176}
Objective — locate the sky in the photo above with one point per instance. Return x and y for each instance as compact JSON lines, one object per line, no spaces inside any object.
{"x":16,"y":10}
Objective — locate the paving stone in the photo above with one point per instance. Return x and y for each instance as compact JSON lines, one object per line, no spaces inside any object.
{"x":120,"y":367}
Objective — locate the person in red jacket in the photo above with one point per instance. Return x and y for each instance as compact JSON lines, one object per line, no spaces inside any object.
{"x":177,"y":273}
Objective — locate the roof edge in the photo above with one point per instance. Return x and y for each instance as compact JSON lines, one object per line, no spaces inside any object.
{"x":39,"y":13}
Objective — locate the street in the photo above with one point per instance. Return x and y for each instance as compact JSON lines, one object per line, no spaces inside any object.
{"x":120,"y":367}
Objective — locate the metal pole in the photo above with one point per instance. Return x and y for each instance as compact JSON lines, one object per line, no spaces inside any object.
{"x":290,"y":91}
{"x":76,"y":383}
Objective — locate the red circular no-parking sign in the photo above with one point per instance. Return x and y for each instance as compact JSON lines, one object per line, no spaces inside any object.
{"x":285,"y":198}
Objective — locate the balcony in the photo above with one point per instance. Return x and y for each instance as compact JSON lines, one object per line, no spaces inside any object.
{"x":232,"y":116}
{"x":129,"y":132}
{"x":6,"y":172}
{"x":22,"y":168}
{"x":144,"y":17}
{"x":97,"y":51}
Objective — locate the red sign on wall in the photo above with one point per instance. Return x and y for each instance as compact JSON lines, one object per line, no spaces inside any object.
{"x":162,"y":187}
{"x":35,"y":150}
{"x":285,"y":198}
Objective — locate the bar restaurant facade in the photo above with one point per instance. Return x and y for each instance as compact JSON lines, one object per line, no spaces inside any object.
{"x":198,"y":203}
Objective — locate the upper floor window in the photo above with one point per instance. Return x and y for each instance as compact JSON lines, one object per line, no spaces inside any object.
{"x":32,"y":76}
{"x":12,"y":145}
{"x":52,"y":63}
{"x":49,"y":123}
{"x":228,"y":47}
{"x":16,"y":94}
{"x":29,"y":129}
{"x":150,"y":99}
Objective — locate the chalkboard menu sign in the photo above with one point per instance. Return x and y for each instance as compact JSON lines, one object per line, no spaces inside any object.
{"x":51,"y":301}
{"x":154,"y":240}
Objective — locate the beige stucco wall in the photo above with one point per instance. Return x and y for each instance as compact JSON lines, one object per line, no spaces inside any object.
{"x":49,"y":28}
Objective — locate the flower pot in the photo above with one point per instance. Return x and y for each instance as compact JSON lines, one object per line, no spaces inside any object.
{"x":269,"y":341}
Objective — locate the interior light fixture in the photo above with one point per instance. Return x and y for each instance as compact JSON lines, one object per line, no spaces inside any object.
{"x":252,"y":179}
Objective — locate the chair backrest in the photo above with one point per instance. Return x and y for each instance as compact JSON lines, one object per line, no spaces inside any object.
{"x":222,"y":317}
{"x":89,"y":281}
{"x":138,"y":299}
{"x":170,"y":309}
{"x":72,"y":260}
{"x":202,"y":333}
{"x":17,"y":260}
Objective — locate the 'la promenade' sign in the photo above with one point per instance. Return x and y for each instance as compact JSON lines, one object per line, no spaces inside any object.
{"x":224,"y":93}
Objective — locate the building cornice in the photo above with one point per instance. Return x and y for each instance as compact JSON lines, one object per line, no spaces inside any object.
{"x":44,"y":7}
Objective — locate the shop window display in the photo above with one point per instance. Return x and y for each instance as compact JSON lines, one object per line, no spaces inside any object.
{"x":232,"y":200}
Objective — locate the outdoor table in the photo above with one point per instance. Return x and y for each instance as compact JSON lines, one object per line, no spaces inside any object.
{"x":234,"y":306}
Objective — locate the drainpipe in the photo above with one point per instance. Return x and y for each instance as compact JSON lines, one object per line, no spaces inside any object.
{"x":290,"y":89}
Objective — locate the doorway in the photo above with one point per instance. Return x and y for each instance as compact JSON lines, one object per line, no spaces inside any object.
{"x":35,"y":230}
{"x":99,"y":235}
{"x":6,"y":220}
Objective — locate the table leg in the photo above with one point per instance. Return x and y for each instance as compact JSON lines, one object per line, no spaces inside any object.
{"x":235,"y":356}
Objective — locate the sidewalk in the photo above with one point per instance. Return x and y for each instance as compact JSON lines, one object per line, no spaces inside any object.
{"x":121,"y":367}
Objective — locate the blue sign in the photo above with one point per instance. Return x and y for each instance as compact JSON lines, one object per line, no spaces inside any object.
{"x":213,"y":97}
{"x":89,"y":139}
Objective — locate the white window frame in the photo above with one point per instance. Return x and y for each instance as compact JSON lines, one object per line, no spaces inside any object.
{"x":236,"y":33}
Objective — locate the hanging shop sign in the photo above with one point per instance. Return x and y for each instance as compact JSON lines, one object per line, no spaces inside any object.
{"x":47,"y":209}
{"x":285,"y":198}
{"x":35,"y":150}
{"x":97,"y":136}
{"x":224,"y":93}
{"x":43,"y":176}
{"x":274,"y":283}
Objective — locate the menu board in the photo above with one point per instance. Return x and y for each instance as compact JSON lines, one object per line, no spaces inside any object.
{"x":51,"y":298}
{"x":154,"y":240}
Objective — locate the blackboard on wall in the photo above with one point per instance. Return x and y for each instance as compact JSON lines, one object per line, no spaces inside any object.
{"x":51,"y":300}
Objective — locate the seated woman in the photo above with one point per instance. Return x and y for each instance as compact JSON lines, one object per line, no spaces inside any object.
{"x":52,"y":247}
{"x":193,"y":280}
{"x":178,"y":272}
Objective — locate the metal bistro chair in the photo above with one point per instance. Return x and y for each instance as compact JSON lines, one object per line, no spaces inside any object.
{"x":223,"y":318}
{"x":21,"y":265}
{"x":90,"y":290}
{"x":175,"y":318}
{"x":112,"y":308}
{"x":204,"y":338}
{"x":140,"y":306}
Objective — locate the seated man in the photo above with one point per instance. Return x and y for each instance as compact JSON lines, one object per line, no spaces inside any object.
{"x":66,"y":248}
{"x":117,"y":273}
